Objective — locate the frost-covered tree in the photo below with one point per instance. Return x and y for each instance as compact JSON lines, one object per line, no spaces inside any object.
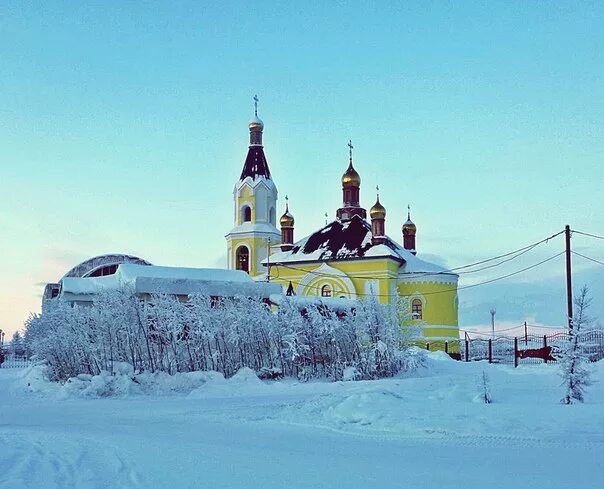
{"x":574,"y":362}
{"x":17,"y":346}
{"x":304,"y":338}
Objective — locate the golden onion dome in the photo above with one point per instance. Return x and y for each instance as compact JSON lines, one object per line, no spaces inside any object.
{"x":256,"y":124}
{"x":409,"y":227}
{"x":287,"y":220}
{"x":351,"y":178}
{"x":378,"y":211}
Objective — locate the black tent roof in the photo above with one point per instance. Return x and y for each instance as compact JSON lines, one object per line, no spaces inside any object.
{"x":255,"y":164}
{"x":340,"y":240}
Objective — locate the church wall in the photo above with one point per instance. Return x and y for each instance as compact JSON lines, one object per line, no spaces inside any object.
{"x":379,"y":276}
{"x":361,"y":278}
{"x":439,"y":311}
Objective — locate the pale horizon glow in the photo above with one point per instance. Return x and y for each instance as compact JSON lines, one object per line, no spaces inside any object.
{"x":125,"y":128}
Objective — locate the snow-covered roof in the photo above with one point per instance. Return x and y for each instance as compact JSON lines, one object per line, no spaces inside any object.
{"x":351,"y":239}
{"x":333,"y":303}
{"x":170,"y":280}
{"x":250,"y":227}
{"x":87,"y":267}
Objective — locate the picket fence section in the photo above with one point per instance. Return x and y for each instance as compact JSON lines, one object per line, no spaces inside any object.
{"x":12,"y":361}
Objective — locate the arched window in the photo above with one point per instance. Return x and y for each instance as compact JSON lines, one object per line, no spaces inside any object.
{"x":242,"y":258}
{"x":416,"y":309}
{"x":271,"y":216}
{"x":326,"y":291}
{"x":246,"y":213}
{"x":102,"y":271}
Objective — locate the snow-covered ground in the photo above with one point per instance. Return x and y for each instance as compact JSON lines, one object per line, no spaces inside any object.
{"x":199,"y":430}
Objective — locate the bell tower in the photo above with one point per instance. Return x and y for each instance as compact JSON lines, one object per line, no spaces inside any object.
{"x":255,"y":202}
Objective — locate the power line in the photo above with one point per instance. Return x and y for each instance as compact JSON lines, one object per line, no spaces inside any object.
{"x":512,"y":254}
{"x":453,"y":289}
{"x":489,"y":333}
{"x":513,"y":273}
{"x":587,"y":258}
{"x":554,"y":328}
{"x":588,"y":234}
{"x":528,"y":247}
{"x":496,"y":264}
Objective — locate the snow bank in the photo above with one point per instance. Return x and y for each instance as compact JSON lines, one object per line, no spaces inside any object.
{"x":123,"y":384}
{"x":244,"y":383}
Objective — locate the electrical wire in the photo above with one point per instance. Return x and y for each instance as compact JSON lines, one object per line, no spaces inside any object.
{"x":512,"y":254}
{"x":588,"y":258}
{"x":588,"y":234}
{"x":544,"y":240}
{"x":452,"y":289}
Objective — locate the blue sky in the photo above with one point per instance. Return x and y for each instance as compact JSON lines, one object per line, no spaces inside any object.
{"x":124,"y":127}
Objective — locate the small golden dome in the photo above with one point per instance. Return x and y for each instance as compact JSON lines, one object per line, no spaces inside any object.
{"x":378,"y":211}
{"x":256,"y":124}
{"x":287,"y":220}
{"x":351,"y":178}
{"x":409,"y":227}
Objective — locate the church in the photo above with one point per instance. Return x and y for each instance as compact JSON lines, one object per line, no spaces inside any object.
{"x":351,"y":257}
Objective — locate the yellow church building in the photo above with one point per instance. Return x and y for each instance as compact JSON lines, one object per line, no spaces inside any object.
{"x":350,"y":257}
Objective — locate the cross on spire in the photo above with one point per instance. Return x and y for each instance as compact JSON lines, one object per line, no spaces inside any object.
{"x":286,"y":203}
{"x":408,"y":212}
{"x":256,"y":105}
{"x":350,"y":148}
{"x":377,"y":190}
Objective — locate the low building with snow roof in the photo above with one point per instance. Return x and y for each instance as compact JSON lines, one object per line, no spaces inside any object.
{"x":85,"y":282}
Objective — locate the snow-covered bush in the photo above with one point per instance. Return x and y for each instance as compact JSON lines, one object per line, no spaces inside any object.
{"x":164,"y":334}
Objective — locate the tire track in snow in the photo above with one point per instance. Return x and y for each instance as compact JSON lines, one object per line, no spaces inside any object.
{"x":29,"y":459}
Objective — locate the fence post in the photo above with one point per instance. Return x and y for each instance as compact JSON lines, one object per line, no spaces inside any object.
{"x":545,"y":348}
{"x":428,"y":346}
{"x":467,"y":350}
{"x":490,"y":350}
{"x":446,"y":347}
{"x":515,"y":351}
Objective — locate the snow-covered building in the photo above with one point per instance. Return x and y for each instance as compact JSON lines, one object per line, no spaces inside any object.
{"x":98,"y":266}
{"x":112,"y":272}
{"x":351,"y":257}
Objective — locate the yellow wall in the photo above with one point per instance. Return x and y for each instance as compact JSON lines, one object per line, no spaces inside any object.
{"x":253,"y":245}
{"x":439,"y":300}
{"x":246,"y":197}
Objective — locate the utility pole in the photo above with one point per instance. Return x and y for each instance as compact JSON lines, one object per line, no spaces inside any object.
{"x":268,"y":255}
{"x":492,"y":311}
{"x":569,"y":286}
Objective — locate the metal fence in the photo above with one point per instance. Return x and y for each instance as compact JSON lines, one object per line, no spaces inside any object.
{"x":530,"y":348}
